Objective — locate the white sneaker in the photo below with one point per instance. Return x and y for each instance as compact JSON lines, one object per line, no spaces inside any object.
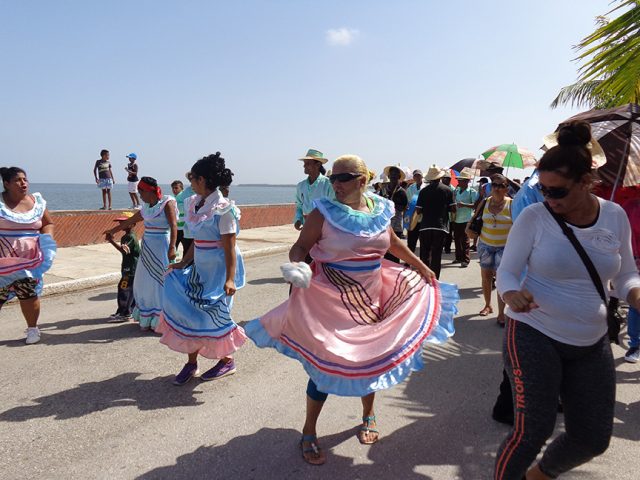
{"x":33,"y":335}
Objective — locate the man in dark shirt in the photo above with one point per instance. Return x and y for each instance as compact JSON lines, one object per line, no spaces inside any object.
{"x":435,"y":201}
{"x":398,"y":195}
{"x":132,"y":179}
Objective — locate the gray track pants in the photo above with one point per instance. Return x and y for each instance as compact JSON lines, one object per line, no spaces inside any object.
{"x":541,"y":369}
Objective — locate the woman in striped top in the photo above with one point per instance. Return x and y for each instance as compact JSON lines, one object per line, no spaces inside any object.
{"x":496,"y":223}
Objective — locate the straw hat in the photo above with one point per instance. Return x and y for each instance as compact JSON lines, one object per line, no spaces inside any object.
{"x":597,"y":153}
{"x":314,"y":155}
{"x":434,"y":173}
{"x":385,"y":172}
{"x":464,"y":175}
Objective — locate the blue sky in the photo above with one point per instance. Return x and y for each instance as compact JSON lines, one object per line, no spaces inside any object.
{"x":409,"y":82}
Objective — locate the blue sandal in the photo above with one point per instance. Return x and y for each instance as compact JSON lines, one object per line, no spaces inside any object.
{"x":313,"y":448}
{"x":366,"y":428}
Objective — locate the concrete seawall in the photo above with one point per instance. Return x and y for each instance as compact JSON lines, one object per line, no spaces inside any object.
{"x":85,"y":227}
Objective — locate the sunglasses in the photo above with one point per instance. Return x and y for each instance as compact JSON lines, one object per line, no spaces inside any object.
{"x":499,"y":185}
{"x":343,"y":177}
{"x":554,"y":192}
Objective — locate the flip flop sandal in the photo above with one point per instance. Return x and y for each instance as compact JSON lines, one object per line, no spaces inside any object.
{"x":485,"y":311}
{"x":312,"y":448}
{"x":366,"y":429}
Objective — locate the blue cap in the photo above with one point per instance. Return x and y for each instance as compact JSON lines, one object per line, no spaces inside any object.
{"x":132,"y":155}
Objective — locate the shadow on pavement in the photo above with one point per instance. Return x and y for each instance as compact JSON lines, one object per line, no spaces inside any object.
{"x":275,"y":453}
{"x":122,"y":391}
{"x":265,"y":281}
{"x":103,"y":297}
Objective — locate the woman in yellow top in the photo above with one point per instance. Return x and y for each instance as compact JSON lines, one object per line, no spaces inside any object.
{"x":496,"y":223}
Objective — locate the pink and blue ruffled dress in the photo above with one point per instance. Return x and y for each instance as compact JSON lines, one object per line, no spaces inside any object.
{"x":362,"y":324}
{"x":196,"y":315}
{"x":24,"y":251}
{"x":152,"y":263}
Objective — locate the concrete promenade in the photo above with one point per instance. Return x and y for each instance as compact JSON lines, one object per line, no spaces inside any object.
{"x":95,"y":401}
{"x":88,"y":266}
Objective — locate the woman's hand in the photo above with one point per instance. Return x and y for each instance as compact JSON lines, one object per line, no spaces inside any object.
{"x":519,"y":301}
{"x":175,"y":266}
{"x":230,"y":287}
{"x":427,"y":273}
{"x":171,"y":254}
{"x":470,"y":233}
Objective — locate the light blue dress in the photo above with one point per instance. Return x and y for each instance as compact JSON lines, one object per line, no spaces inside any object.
{"x":153,"y":263}
{"x":196,"y":315}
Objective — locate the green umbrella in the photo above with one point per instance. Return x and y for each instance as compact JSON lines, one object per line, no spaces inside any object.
{"x":510,"y":155}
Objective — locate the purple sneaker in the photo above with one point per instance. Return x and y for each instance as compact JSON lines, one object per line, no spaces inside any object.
{"x":221,"y":369}
{"x":189,"y":371}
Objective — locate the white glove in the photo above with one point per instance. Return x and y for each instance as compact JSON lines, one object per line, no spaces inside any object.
{"x":297,"y":273}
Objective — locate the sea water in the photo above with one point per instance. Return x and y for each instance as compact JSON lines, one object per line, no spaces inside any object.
{"x":74,"y":196}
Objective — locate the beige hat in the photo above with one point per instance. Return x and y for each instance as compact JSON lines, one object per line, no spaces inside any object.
{"x":467,"y":173}
{"x":434,"y":173}
{"x":314,"y":155}
{"x":389,"y":167}
{"x":597,"y":154}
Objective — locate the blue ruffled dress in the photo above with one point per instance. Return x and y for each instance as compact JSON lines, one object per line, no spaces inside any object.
{"x":196,"y":315}
{"x":152,"y":263}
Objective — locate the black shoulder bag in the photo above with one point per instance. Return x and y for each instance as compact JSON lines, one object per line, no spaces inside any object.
{"x":475,"y":224}
{"x":613,"y":322}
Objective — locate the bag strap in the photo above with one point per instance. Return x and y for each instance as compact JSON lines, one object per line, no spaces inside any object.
{"x":480,"y":211}
{"x":593,"y":273}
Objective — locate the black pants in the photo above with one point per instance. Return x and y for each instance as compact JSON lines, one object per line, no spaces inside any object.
{"x":186,"y":242}
{"x":126,"y":302}
{"x":448,"y":240}
{"x":412,"y":239}
{"x":540,"y":369}
{"x":431,"y":242}
{"x":461,"y":240}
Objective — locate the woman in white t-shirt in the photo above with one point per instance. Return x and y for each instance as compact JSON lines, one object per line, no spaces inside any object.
{"x":556,"y":341}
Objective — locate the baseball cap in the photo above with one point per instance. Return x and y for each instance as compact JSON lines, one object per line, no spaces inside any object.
{"x":132,"y":155}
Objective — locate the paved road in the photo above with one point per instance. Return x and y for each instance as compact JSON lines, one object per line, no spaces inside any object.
{"x":94,"y":401}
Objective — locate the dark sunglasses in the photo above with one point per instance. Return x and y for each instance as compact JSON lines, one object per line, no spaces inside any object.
{"x":343,"y":177}
{"x":554,"y":192}
{"x":499,"y":185}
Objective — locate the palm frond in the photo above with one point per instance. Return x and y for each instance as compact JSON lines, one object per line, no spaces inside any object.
{"x":580,"y":94}
{"x":610,"y":56}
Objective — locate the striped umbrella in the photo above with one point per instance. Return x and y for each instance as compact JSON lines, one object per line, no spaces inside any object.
{"x":507,"y":155}
{"x":617,"y":130}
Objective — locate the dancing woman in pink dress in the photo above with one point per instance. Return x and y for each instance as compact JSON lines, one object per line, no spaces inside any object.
{"x":361,"y":324}
{"x":27,"y":248}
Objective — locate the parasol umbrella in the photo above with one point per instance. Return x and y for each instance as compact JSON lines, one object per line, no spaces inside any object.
{"x":507,"y":155}
{"x":465,"y":162}
{"x":617,"y":130}
{"x":486,"y":170}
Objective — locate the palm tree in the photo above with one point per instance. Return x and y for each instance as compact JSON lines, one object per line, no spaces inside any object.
{"x":610,"y":75}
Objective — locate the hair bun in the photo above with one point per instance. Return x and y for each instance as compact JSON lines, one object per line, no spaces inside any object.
{"x":574,"y":133}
